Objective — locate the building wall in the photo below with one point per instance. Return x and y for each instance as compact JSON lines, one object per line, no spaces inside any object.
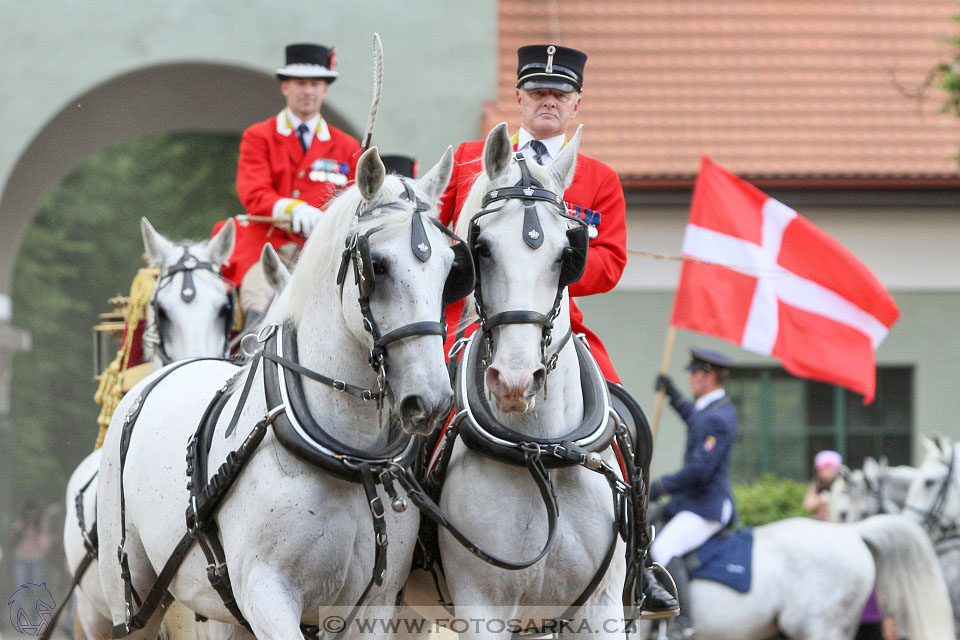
{"x":79,"y":76}
{"x":912,"y":249}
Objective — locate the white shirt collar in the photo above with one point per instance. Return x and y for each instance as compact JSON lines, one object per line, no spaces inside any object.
{"x":709,"y":398}
{"x":553,"y":145}
{"x":287,"y":123}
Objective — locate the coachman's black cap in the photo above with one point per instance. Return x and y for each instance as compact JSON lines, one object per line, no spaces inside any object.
{"x":707,"y":360}
{"x":547,"y":66}
{"x":308,"y":60}
{"x":401,"y":165}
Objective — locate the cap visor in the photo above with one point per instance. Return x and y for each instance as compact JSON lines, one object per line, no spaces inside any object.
{"x":547,"y":83}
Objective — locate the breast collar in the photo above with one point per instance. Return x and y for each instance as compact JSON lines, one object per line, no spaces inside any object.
{"x":483,"y":433}
{"x":300,"y":433}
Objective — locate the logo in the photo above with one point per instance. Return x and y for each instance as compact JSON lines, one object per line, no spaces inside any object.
{"x":710,"y":443}
{"x":30,"y":609}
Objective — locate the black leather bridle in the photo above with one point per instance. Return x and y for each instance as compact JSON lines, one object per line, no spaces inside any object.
{"x":187,"y":264}
{"x":574,"y":261}
{"x":356,"y":252}
{"x":933,"y":516}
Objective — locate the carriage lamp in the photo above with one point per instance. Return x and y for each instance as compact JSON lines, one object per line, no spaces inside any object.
{"x":107,"y":335}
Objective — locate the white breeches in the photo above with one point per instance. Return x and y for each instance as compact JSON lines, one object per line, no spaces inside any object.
{"x":685,"y":532}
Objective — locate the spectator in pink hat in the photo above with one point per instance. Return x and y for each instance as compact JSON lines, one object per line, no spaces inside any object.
{"x":826,"y":467}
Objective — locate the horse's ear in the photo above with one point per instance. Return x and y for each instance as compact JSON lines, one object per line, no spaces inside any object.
{"x":942,"y":443}
{"x":930,"y":445}
{"x":274,"y":270}
{"x":155,"y":245}
{"x":220,"y":246}
{"x":434,"y":183}
{"x":497,"y":151}
{"x":563,"y":167}
{"x":370,"y":173}
{"x":845,"y":474}
{"x":870,"y":468}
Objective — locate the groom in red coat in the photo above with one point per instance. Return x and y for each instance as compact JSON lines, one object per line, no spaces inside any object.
{"x":549,"y":85}
{"x":548,"y":97}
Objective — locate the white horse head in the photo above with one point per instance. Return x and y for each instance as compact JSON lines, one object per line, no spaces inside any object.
{"x":850,"y":497}
{"x":519,"y":267}
{"x":192,"y":309}
{"x":934,"y":496}
{"x":403,"y":288}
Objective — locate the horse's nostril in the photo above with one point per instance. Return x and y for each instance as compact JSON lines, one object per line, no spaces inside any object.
{"x":538,"y":378}
{"x":413,"y":409}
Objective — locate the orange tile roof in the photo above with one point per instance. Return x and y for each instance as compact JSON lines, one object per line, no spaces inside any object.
{"x":767,"y":88}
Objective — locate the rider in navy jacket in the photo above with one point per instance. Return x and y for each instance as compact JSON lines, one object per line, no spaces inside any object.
{"x":701,"y":500}
{"x":702,"y":485}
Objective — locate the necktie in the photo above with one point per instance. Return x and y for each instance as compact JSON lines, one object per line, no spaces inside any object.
{"x":539,"y":150}
{"x":302,"y":131}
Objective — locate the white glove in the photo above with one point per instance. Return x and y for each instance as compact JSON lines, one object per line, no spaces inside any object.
{"x":304,"y":218}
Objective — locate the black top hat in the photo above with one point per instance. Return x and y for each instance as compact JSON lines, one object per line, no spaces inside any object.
{"x":707,"y":360}
{"x":401,"y":165}
{"x":547,"y":66}
{"x":308,"y":60}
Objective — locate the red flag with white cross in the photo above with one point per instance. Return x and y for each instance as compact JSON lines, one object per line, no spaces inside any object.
{"x":763,"y":277}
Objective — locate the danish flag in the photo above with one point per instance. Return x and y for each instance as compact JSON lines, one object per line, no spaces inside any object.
{"x":761,"y":276}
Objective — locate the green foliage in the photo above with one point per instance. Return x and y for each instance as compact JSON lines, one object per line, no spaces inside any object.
{"x":769,"y":498}
{"x":946,"y":75}
{"x":83,"y":247}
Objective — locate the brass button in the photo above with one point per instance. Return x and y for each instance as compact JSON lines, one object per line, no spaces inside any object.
{"x":301,"y":174}
{"x":296,"y":193}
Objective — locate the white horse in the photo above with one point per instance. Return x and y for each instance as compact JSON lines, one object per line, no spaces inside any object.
{"x":934,"y":501}
{"x":298,"y":541}
{"x":811,"y":580}
{"x":197,"y":325}
{"x":538,"y":392}
{"x":877,"y":488}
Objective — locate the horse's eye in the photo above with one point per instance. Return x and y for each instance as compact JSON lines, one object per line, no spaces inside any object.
{"x":226,"y":311}
{"x":379,"y":266}
{"x":483,"y":249}
{"x":929,"y":483}
{"x":162,"y":315}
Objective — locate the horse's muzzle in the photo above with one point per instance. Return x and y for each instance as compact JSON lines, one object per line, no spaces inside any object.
{"x":420,"y":416}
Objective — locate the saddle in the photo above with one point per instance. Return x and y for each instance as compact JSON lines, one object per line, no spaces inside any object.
{"x":726,"y":558}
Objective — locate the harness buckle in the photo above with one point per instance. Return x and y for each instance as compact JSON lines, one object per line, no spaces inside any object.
{"x":532,"y":448}
{"x":366,"y":395}
{"x":339,"y":385}
{"x":376,"y":507}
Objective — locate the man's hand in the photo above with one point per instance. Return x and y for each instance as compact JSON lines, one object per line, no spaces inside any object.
{"x":303,"y":218}
{"x":666,"y":383}
{"x":656,"y":490}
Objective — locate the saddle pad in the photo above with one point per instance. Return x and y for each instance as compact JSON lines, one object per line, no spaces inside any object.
{"x":727,"y":560}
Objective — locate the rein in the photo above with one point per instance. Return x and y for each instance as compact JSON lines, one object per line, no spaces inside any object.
{"x":187,"y":264}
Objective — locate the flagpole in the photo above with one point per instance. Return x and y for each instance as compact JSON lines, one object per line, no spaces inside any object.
{"x":665,"y":370}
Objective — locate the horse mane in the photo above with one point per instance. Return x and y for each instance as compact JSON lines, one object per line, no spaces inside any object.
{"x":322,"y":252}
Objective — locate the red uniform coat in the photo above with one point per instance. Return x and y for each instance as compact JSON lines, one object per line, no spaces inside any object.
{"x":274,"y":174}
{"x":595,"y":186}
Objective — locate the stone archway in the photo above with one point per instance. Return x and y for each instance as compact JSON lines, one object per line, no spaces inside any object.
{"x":163,"y":98}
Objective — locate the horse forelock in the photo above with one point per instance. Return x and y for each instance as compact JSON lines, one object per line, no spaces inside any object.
{"x":323,"y":250}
